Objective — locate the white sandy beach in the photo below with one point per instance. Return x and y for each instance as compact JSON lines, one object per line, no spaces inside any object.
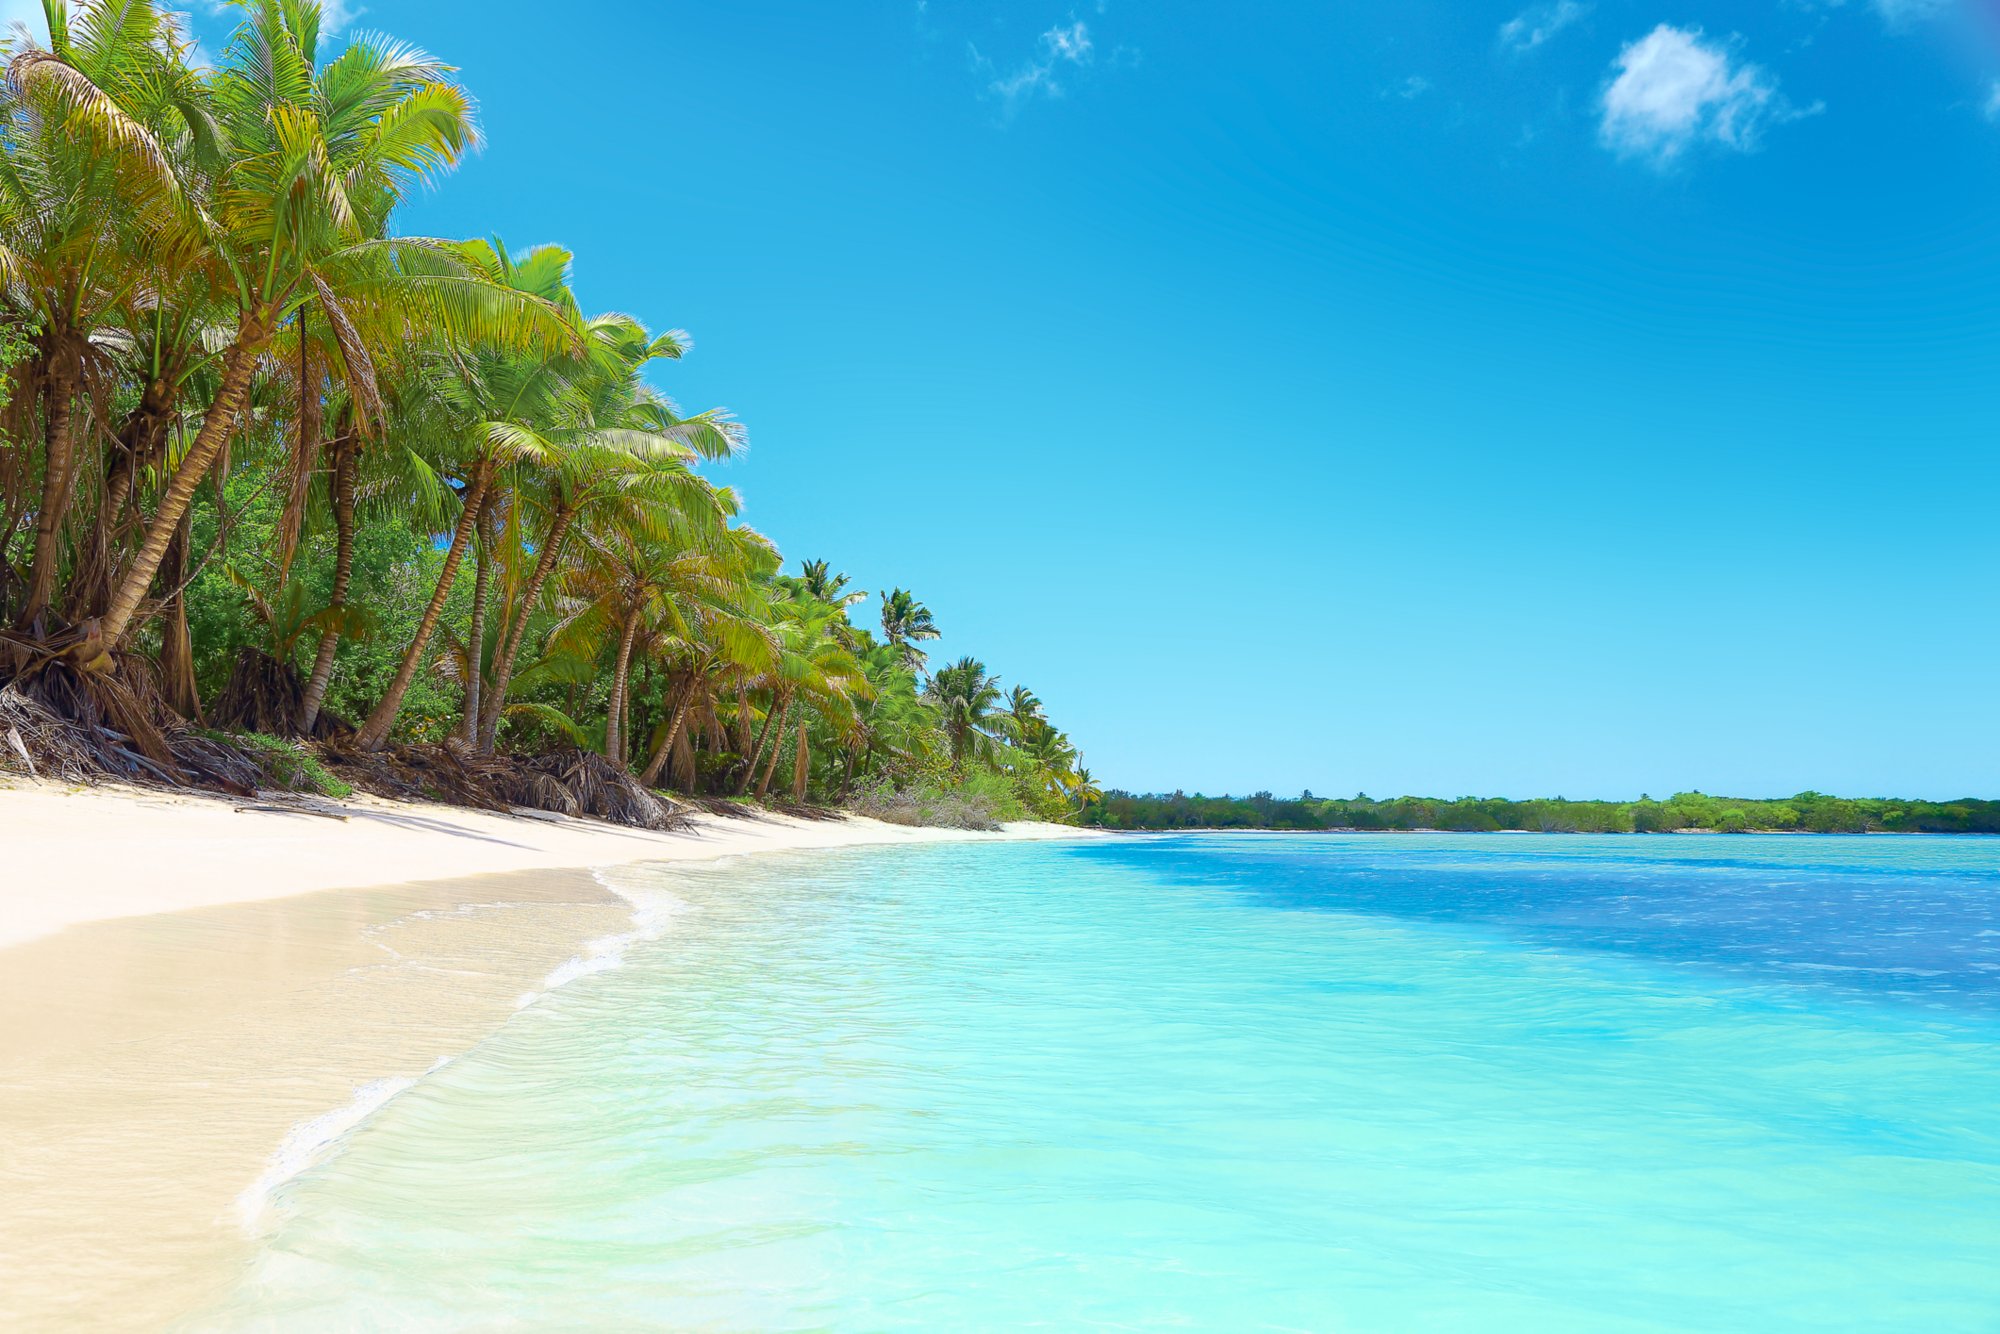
{"x":73,"y":855}
{"x":189,"y":989}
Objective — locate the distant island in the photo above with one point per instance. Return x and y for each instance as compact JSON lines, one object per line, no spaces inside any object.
{"x":1806,"y":813}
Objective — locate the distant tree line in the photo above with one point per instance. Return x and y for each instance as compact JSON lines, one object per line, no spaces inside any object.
{"x":1808,"y":812}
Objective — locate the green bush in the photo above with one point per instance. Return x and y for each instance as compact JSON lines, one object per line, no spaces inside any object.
{"x":288,"y":766}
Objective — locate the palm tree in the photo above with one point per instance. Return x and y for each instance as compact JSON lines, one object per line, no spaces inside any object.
{"x":830,"y":588}
{"x":108,"y":113}
{"x":726,"y":640}
{"x":905,"y":621}
{"x":1084,"y":791}
{"x":612,"y":443}
{"x":316,"y":159}
{"x":493,"y":401}
{"x":895,"y":722}
{"x":1024,"y":713}
{"x":813,"y":665}
{"x":967,"y":698}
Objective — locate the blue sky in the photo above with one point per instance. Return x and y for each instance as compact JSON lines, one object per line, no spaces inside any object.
{"x":1445,"y":397}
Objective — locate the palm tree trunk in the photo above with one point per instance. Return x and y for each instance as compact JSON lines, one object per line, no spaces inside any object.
{"x":475,"y":644}
{"x":142,"y":437}
{"x":343,"y":572}
{"x":614,"y":749}
{"x":801,"y":769}
{"x":177,"y":679}
{"x":517,"y":630}
{"x":94,"y":654}
{"x":684,"y":701}
{"x":55,"y":497}
{"x":777,"y":746}
{"x":305,"y":453}
{"x":375,"y":732}
{"x":778,"y":705}
{"x":681,"y":767}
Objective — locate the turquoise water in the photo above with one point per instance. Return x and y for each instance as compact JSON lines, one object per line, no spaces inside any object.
{"x":1213,"y":1082}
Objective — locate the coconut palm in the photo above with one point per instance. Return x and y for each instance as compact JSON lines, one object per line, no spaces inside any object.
{"x":813,"y":667}
{"x":107,"y":113}
{"x":1024,"y":714}
{"x":316,"y":158}
{"x":1084,"y":791}
{"x":905,"y":621}
{"x":967,"y":697}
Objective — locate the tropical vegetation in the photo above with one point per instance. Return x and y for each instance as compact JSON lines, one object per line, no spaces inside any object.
{"x":1807,"y":812}
{"x":288,"y":495}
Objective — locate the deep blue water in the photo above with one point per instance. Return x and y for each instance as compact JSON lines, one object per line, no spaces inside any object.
{"x":1902,"y":920}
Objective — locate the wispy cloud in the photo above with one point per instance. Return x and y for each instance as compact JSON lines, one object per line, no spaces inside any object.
{"x":1412,"y":88}
{"x":1992,"y":107}
{"x":1894,"y":13}
{"x":1531,"y":27}
{"x":1673,"y":90}
{"x":334,"y":15}
{"x":1058,"y":50}
{"x":1898,"y":13}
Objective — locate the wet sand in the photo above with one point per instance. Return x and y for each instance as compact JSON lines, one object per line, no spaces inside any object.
{"x":155,"y":1065}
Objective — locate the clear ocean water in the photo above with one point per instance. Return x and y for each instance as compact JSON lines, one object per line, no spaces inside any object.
{"x":1211,"y":1082}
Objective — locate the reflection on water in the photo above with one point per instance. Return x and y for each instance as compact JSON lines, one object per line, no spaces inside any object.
{"x":1221,"y":1082}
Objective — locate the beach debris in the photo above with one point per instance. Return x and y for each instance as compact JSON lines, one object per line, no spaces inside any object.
{"x":565,"y":782}
{"x":264,"y":695}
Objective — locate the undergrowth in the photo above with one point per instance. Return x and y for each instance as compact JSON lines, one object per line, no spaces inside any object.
{"x":287,"y":764}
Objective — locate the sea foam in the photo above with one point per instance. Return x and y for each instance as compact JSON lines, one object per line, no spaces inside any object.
{"x":312,"y":1139}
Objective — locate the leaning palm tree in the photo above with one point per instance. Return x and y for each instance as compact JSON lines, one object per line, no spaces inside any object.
{"x":726,"y":639}
{"x":317,"y":157}
{"x":813,"y":667}
{"x":495,"y":402}
{"x":97,"y":136}
{"x":967,"y":697}
{"x":612,"y":446}
{"x":1084,"y":791}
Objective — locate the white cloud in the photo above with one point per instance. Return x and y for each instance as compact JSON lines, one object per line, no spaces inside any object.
{"x":1673,"y":90}
{"x":1069,"y":44}
{"x":1992,"y":107}
{"x":1413,"y":87}
{"x":335,"y":15}
{"x":1531,"y":27}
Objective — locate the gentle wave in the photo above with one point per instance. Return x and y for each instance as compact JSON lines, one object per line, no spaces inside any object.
{"x":312,"y":1139}
{"x":653,"y":911}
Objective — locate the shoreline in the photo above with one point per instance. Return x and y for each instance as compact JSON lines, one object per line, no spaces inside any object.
{"x":85,"y":854}
{"x":197,"y":1002}
{"x":1557,"y":833}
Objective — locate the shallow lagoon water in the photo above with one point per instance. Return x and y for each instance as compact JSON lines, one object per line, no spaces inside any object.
{"x":1215,"y":1082}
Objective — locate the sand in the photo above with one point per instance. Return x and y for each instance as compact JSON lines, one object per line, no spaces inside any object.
{"x":71,"y":855}
{"x":194,"y":998}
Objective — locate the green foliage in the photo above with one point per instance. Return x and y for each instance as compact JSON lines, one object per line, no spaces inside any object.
{"x":17,"y":344}
{"x":1808,"y":812}
{"x":983,"y":801}
{"x":289,"y":766}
